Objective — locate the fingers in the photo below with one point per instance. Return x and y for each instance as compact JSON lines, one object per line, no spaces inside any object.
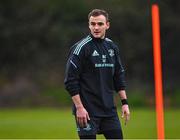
{"x":122,"y":114}
{"x":126,"y":113}
{"x":127,"y":118}
{"x":83,"y":120}
{"x":88,"y":117}
{"x":79,"y":120}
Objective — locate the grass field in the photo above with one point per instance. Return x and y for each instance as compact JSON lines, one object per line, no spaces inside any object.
{"x":59,"y":123}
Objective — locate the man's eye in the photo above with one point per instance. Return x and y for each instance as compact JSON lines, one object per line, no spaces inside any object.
{"x":93,"y":24}
{"x":100,"y":23}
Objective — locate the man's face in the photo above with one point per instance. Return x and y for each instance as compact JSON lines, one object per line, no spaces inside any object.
{"x":98,"y":26}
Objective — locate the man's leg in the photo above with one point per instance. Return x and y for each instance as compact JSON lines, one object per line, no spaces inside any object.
{"x":111,"y":128}
{"x":113,"y":134}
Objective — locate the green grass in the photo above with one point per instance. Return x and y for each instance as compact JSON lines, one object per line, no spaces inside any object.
{"x":59,"y":123}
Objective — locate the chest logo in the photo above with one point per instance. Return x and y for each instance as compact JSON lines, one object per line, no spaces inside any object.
{"x":95,"y":53}
{"x":111,"y":52}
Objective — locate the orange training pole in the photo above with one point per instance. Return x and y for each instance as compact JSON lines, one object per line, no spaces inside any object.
{"x":157,"y":71}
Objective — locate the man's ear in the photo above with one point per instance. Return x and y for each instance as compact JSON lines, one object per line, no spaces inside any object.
{"x":108,"y":24}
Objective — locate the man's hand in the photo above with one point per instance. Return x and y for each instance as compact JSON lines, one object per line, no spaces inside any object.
{"x":125,"y":113}
{"x":82,"y":116}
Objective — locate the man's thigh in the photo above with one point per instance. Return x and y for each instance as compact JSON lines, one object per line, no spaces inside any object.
{"x":110,"y":123}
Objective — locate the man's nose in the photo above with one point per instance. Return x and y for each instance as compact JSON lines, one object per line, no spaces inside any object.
{"x":96,"y":26}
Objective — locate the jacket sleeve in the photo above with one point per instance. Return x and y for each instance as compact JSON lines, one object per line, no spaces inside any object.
{"x":119,"y":74}
{"x":72,"y":73}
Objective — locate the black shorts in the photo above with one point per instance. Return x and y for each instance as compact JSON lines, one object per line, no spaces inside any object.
{"x":97,"y":125}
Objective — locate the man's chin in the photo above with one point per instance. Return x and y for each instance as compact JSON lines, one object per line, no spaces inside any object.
{"x":97,"y":36}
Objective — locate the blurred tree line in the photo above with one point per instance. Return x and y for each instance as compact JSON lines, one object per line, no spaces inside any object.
{"x":35,"y":36}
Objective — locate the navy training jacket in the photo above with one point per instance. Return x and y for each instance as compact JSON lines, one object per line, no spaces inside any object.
{"x":94,"y":71}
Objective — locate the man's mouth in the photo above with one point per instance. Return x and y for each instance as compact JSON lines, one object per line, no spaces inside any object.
{"x":96,"y":32}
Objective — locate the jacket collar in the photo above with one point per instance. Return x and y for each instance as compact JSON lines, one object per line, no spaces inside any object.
{"x":96,"y":39}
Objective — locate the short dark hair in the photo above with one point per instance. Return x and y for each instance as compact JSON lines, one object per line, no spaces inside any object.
{"x":98,"y":12}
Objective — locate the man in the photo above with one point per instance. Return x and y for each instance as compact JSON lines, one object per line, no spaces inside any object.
{"x":93,"y":73}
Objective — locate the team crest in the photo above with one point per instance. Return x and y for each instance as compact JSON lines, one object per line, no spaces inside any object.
{"x":111,"y":52}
